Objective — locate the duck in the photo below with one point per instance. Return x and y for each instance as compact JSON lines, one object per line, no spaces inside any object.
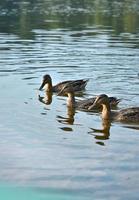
{"x":83,"y":104}
{"x":127,"y":115}
{"x":78,"y":85}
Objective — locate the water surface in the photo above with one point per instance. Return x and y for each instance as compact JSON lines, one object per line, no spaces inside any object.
{"x":43,"y":153}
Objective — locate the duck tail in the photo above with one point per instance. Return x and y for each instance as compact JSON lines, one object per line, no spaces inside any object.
{"x":117,"y":101}
{"x":114,"y":101}
{"x":85,"y":81}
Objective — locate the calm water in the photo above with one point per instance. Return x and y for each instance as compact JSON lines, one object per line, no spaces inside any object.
{"x":42,"y":154}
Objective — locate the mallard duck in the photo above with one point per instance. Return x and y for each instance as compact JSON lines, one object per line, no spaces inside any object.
{"x":124,"y":115}
{"x":77,"y":85}
{"x":82,"y":104}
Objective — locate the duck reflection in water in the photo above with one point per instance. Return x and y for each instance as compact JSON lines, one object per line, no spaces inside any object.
{"x":47,"y":99}
{"x":101,"y":134}
{"x":70,"y":117}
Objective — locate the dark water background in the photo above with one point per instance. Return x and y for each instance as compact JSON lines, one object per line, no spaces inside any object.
{"x":42,"y":155}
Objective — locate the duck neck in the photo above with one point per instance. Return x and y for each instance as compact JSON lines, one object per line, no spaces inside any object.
{"x":48,"y":86}
{"x":106,"y":112}
{"x":71,"y":100}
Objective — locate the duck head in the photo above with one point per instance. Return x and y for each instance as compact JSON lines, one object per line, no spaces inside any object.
{"x":46,"y":80}
{"x":100,"y":100}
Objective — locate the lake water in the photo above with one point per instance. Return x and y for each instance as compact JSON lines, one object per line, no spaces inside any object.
{"x":43,"y":154}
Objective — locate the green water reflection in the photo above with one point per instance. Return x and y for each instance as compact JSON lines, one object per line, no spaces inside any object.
{"x":21,"y":17}
{"x":9,"y":192}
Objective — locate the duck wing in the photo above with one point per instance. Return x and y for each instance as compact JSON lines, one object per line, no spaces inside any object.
{"x":77,"y":85}
{"x":84,"y":104}
{"x":129,"y":115}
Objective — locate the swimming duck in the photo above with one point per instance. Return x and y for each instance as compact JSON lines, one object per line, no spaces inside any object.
{"x":82,"y":104}
{"x":124,"y":115}
{"x":77,"y":85}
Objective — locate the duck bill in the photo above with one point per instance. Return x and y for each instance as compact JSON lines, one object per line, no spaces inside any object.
{"x":93,"y":106}
{"x":42,"y":85}
{"x":60,"y":93}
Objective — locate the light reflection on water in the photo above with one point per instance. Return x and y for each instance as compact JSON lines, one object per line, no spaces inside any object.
{"x":45,"y":146}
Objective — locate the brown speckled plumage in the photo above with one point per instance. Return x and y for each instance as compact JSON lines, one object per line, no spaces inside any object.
{"x":77,"y":85}
{"x":83,"y":104}
{"x":130,"y":115}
